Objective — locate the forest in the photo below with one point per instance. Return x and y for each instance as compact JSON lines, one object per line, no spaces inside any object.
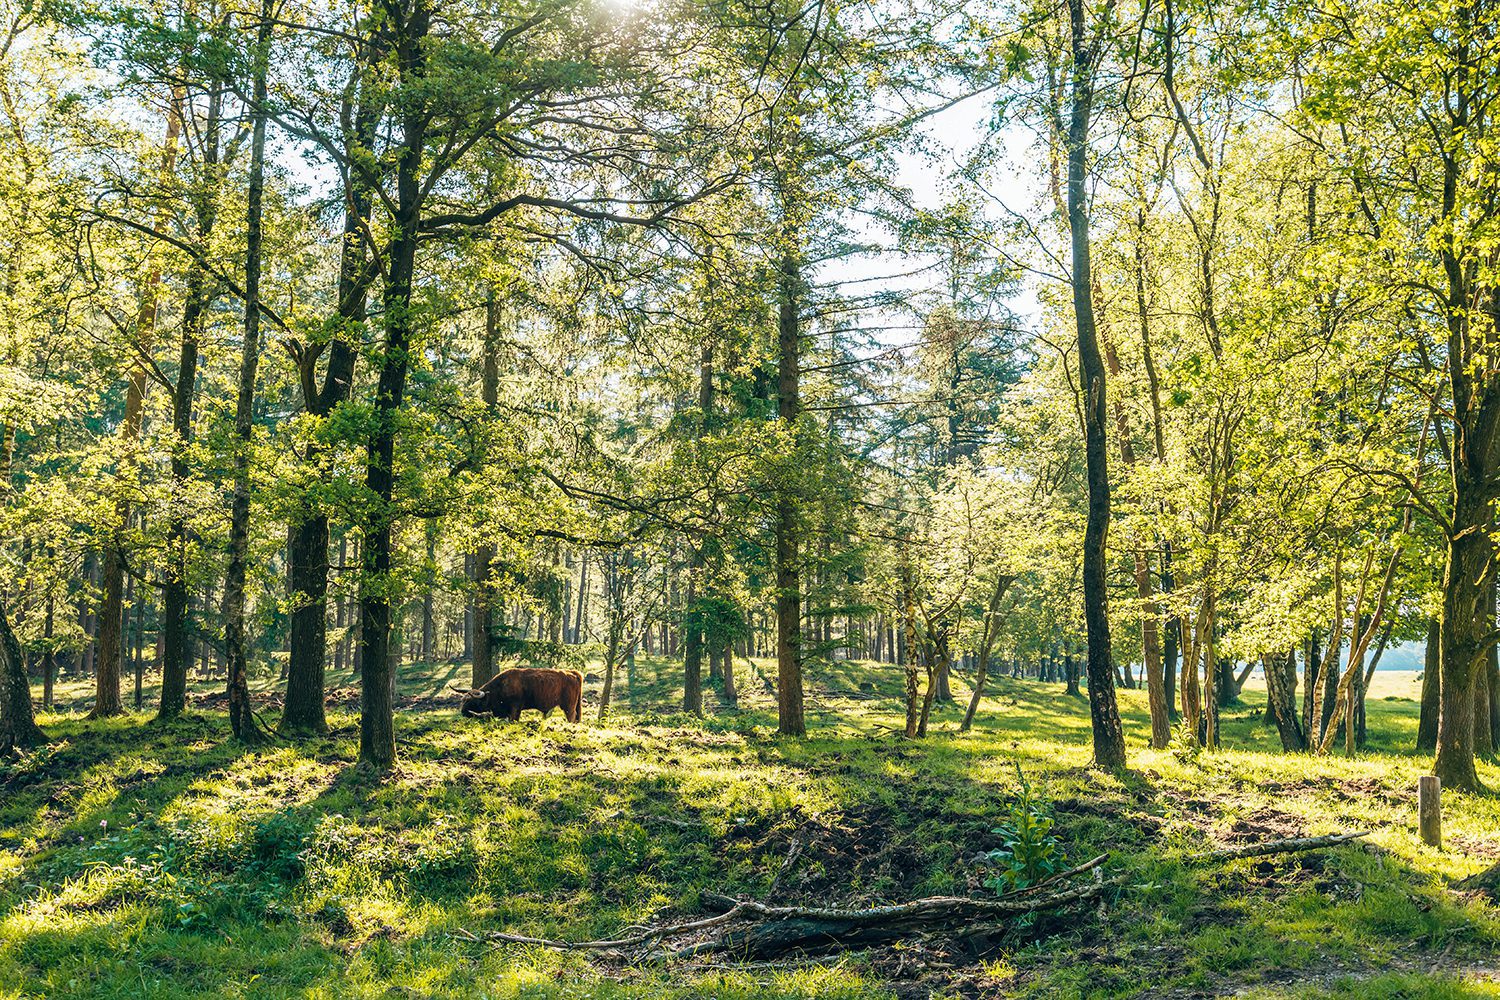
{"x":991,"y":498}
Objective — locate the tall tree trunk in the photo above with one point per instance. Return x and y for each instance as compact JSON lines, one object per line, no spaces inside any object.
{"x":611,"y":654}
{"x":1172,"y":628}
{"x":429,"y":624}
{"x":910,"y":652}
{"x":692,"y":650}
{"x":138,"y":654}
{"x":789,"y":710}
{"x":237,"y":669}
{"x":174,"y":591}
{"x":1466,"y":622}
{"x":484,"y":555}
{"x":580,"y":620}
{"x":1109,"y":736}
{"x":377,"y":734}
{"x":1161,"y":726}
{"x":110,"y":653}
{"x":307,"y":553}
{"x":49,"y":657}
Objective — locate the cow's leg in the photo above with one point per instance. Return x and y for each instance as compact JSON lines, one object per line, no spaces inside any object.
{"x":514,"y":715}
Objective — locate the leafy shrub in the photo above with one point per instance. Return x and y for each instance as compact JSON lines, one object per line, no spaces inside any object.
{"x":1032,"y":851}
{"x":1185,"y":746}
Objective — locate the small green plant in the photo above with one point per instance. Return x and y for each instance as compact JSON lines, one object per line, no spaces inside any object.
{"x":1185,"y":746}
{"x":1032,"y":851}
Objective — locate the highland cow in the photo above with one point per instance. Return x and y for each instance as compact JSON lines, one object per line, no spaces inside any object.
{"x":513,"y":691}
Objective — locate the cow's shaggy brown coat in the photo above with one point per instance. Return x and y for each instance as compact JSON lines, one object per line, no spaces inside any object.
{"x":513,"y":691}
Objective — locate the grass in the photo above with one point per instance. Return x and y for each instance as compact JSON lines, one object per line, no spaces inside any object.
{"x":139,"y":859}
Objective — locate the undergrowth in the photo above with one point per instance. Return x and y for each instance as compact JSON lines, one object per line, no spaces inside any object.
{"x":140,"y":859}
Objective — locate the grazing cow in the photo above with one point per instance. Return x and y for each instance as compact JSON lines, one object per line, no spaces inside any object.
{"x":513,"y":691}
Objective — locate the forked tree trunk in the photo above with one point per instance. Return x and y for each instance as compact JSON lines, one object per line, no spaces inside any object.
{"x":986,"y":646}
{"x":307,"y":552}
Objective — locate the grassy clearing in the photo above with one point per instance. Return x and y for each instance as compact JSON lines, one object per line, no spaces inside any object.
{"x":145,"y":860}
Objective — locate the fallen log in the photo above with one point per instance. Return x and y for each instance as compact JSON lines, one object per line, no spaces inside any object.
{"x":1287,"y":845}
{"x":761,"y":930}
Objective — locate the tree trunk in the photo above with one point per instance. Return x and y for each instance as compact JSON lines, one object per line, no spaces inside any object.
{"x":1466,"y":623}
{"x":611,"y":653}
{"x":789,"y":711}
{"x":911,"y":653}
{"x":731,"y":693}
{"x":139,"y":655}
{"x":377,"y":736}
{"x":692,"y":651}
{"x":18,"y":726}
{"x":307,"y":556}
{"x":49,"y":657}
{"x":110,"y":653}
{"x":1281,"y":699}
{"x":986,"y":646}
{"x":237,"y":666}
{"x":174,"y":600}
{"x":1427,"y":721}
{"x":1172,"y":629}
{"x":1109,"y":736}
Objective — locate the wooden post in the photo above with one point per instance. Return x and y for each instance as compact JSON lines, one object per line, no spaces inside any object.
{"x":1430,"y":810}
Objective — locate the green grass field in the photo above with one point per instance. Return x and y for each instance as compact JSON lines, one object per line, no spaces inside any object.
{"x":145,"y":860}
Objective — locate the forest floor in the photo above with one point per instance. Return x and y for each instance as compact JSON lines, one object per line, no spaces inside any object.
{"x":146,"y":860}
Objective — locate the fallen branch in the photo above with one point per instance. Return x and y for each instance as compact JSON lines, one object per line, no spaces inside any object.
{"x":767,"y":930}
{"x":775,"y":930}
{"x":1286,"y":846}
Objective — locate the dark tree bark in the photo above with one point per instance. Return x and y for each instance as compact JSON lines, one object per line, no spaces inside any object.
{"x":789,"y":711}
{"x":1468,"y":620}
{"x":911,"y":651}
{"x":307,"y":551}
{"x":174,"y":587}
{"x":1109,"y":736}
{"x":484,"y":555}
{"x":18,"y":726}
{"x":49,"y":657}
{"x":377,"y":734}
{"x":241,"y":717}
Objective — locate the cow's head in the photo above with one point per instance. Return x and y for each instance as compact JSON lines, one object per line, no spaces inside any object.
{"x":472,"y":703}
